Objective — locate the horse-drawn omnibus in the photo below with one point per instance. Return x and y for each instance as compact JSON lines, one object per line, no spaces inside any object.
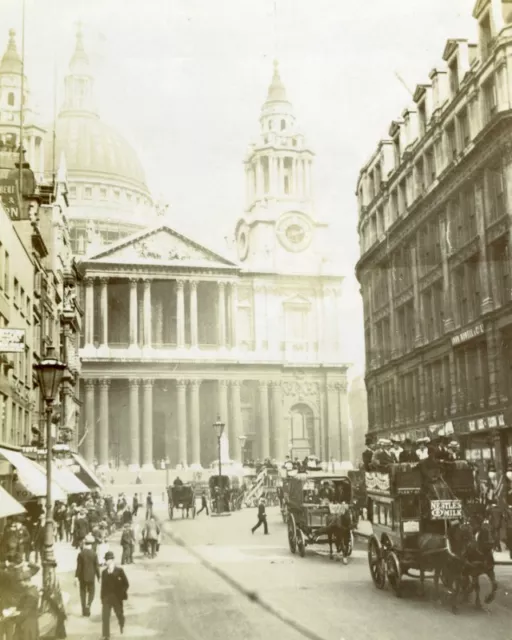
{"x":225,"y":493}
{"x":412,"y":509}
{"x":182,"y":497}
{"x":319,"y":511}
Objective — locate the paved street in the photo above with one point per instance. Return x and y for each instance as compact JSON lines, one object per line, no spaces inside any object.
{"x":176,"y":597}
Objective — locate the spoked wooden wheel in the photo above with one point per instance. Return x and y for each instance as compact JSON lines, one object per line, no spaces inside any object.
{"x":350,"y":545}
{"x":394,"y":572}
{"x":301,"y":543}
{"x":292,"y":533}
{"x":376,"y":563}
{"x":284,"y":513}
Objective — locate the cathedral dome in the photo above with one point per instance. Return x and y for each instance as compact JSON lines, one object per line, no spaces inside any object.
{"x":94,"y":151}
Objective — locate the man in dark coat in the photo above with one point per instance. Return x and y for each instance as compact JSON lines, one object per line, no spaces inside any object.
{"x":135,"y":505}
{"x":149,"y":506}
{"x":114,"y":591}
{"x":368,"y":452}
{"x":408,"y":454}
{"x":87,"y":571}
{"x":262,"y":518}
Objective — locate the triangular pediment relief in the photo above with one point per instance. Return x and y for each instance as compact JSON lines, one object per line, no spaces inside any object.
{"x":297,"y":301}
{"x":161,"y":246}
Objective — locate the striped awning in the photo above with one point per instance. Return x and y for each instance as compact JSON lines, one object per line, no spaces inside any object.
{"x":68,"y":480}
{"x":86,"y":474}
{"x":8,"y":505}
{"x":31,"y":482}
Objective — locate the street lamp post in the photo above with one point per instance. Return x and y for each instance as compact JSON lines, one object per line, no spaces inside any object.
{"x":242,"y":440}
{"x":50,"y":372}
{"x":219,"y":430}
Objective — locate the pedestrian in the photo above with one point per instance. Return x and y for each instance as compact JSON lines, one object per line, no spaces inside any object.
{"x":87,"y":571}
{"x":127,"y":516}
{"x":114,"y":591}
{"x":135,"y":505}
{"x":151,"y":535}
{"x":204,"y":504}
{"x":262,"y":518}
{"x":149,"y":506}
{"x":127,"y":544}
{"x":27,"y":623}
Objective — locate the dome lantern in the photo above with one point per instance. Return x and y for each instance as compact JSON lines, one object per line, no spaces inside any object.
{"x":11,"y":61}
{"x":79,"y":83}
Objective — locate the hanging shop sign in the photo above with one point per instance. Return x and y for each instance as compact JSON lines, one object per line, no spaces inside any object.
{"x":468,"y":334}
{"x":12,"y":340}
{"x":9,"y":197}
{"x":487,"y":422}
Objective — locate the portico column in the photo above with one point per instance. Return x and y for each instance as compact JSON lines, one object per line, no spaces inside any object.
{"x":180,"y":314}
{"x":147,"y":425}
{"x":90,"y":420}
{"x":279,"y":448}
{"x":235,"y":419}
{"x":134,"y":425}
{"x":147,"y":313}
{"x":104,"y":311}
{"x":193,"y":314}
{"x":133,"y":313}
{"x":32,"y":160}
{"x":263,"y":419}
{"x":89,"y":312}
{"x":41,"y":156}
{"x":104,"y":425}
{"x":233,"y":312}
{"x":223,"y":408}
{"x":181,"y":412}
{"x":195,"y":425}
{"x":222,"y":314}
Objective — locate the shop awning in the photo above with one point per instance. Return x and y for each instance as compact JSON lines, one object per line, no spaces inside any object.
{"x":68,"y":480}
{"x":86,"y":474}
{"x":31,"y":481}
{"x":8,"y":505}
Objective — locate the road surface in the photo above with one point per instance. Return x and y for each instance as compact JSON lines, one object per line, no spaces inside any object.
{"x":176,"y":597}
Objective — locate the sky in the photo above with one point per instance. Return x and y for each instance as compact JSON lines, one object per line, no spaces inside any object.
{"x":184,"y":81}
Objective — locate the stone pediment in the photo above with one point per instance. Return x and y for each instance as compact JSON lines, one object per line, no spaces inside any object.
{"x":161,"y":246}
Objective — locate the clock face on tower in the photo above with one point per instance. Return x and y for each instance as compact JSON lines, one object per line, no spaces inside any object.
{"x":295,"y":232}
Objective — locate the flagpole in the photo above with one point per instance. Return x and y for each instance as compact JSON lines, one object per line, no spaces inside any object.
{"x":22,"y":105}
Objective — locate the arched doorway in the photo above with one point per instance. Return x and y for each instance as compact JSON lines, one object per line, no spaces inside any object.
{"x":302,"y":431}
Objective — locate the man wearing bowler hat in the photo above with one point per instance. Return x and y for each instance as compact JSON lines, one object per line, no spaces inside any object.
{"x":114,"y":591}
{"x":87,"y":571}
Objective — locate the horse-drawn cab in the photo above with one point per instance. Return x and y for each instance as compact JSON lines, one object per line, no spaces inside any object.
{"x":182,"y":496}
{"x":410,"y":505}
{"x":223,"y":492}
{"x":318,"y":508}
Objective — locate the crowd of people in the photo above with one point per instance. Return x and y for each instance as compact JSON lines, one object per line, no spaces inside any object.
{"x":383,"y":452}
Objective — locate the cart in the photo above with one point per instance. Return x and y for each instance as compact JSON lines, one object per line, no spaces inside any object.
{"x":182,"y":497}
{"x":405,"y":505}
{"x":311,"y":512}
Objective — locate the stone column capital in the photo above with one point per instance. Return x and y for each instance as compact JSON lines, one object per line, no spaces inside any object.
{"x":103,"y":280}
{"x":193,"y":284}
{"x":88,"y":281}
{"x":235,"y":383}
{"x":181,"y":383}
{"x":134,"y":382}
{"x":90,"y":383}
{"x":147,"y":382}
{"x":194,"y":383}
{"x":263,"y":384}
{"x":134,"y":282}
{"x":276,"y":384}
{"x":104,"y":383}
{"x":147,"y":283}
{"x":221,"y":284}
{"x":223,"y":383}
{"x":180,"y":284}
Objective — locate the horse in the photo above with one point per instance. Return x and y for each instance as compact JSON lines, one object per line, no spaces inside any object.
{"x":338,"y":528}
{"x":476,"y":547}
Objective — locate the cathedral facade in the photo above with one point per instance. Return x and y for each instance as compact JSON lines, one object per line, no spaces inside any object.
{"x":177,"y":335}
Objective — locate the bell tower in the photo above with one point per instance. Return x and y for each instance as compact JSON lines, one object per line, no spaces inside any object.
{"x":12,"y":83}
{"x":279,"y":226}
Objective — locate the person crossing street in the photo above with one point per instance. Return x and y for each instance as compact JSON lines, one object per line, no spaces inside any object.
{"x":262,"y":518}
{"x":204,"y":505}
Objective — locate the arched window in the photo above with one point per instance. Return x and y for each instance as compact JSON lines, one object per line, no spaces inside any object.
{"x":283,"y":125}
{"x":302,"y":429}
{"x":10,"y":99}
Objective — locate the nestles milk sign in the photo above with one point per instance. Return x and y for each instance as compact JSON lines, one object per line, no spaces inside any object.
{"x":468,"y":334}
{"x":441,"y":509}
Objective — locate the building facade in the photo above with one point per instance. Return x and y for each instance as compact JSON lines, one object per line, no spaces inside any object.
{"x":176,"y":335}
{"x":38,"y":278}
{"x":435,"y":206}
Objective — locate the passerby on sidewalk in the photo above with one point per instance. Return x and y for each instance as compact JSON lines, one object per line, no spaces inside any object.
{"x":114,"y":591}
{"x":262,"y":517}
{"x":87,"y":572}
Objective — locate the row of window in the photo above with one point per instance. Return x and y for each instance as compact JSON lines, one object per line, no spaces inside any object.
{"x":427,"y":393}
{"x":90,"y":192}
